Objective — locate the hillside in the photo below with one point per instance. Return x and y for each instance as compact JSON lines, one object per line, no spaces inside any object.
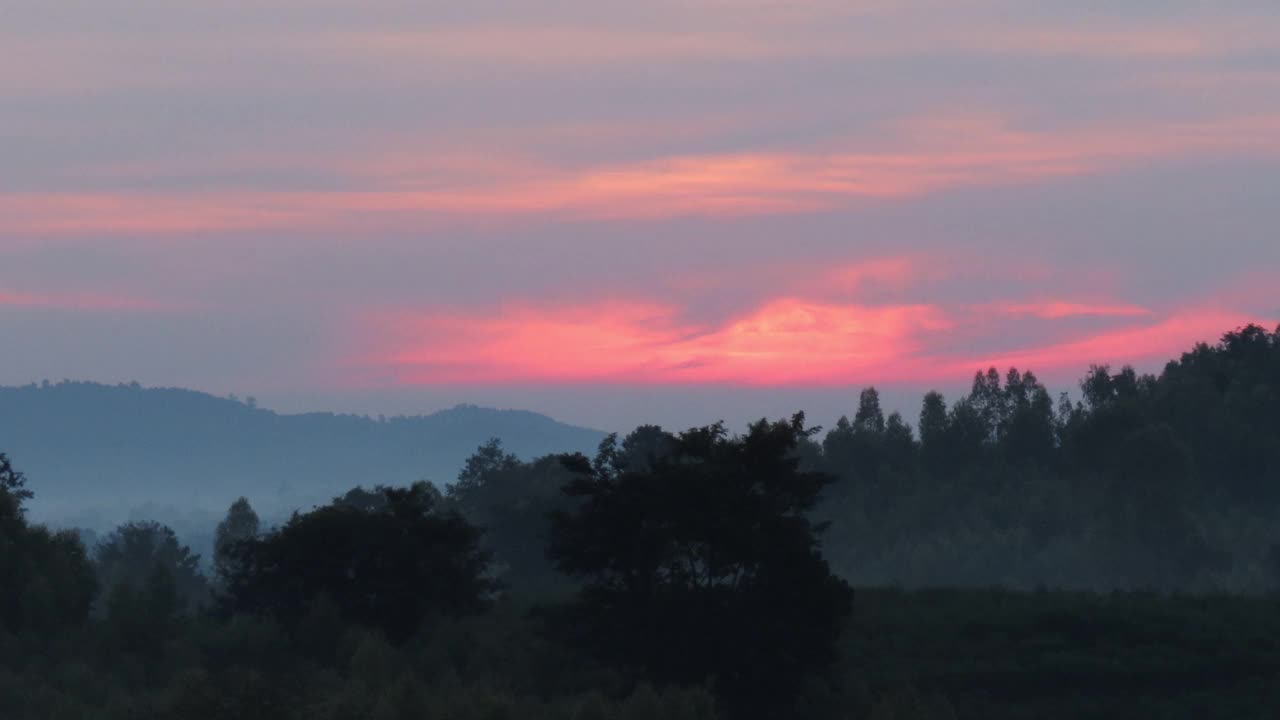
{"x":98,"y":452}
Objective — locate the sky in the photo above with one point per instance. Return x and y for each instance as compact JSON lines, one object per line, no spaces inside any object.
{"x":673,"y":211}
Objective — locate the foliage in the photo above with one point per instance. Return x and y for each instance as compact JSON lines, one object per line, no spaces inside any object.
{"x":1002,"y":655}
{"x":46,"y":581}
{"x":388,"y":564}
{"x":138,"y":557}
{"x":1160,"y":482}
{"x":701,"y":580}
{"x":240,"y":525}
{"x":512,"y":501}
{"x":702,"y":565}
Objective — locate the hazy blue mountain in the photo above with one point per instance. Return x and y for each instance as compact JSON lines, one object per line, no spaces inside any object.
{"x":97,"y":453}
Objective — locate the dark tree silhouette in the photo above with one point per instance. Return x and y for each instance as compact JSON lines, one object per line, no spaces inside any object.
{"x":389,"y":565}
{"x":1155,"y":542}
{"x":132,"y":557}
{"x":13,"y":489}
{"x":645,"y":447}
{"x":704,"y":565}
{"x":240,"y":524}
{"x":869,"y":416}
{"x":46,"y":582}
{"x":511,"y":501}
{"x":933,"y":431}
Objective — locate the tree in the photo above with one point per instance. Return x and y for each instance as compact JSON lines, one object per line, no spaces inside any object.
{"x":13,"y":489}
{"x":989,"y":401}
{"x":855,"y":451}
{"x":1156,"y":542}
{"x":1101,"y":388}
{"x":933,"y":430}
{"x":839,"y":447}
{"x":646,"y":446}
{"x":869,"y":417}
{"x":705,"y":565}
{"x":46,"y":582}
{"x":511,"y":500}
{"x":899,"y":443}
{"x":134,"y":553}
{"x":968,"y":432}
{"x":1029,"y":432}
{"x":488,"y":458}
{"x":240,"y":524}
{"x":389,"y":566}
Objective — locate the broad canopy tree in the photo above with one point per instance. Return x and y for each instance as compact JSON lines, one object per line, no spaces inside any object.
{"x":386,"y":558}
{"x":46,"y":581}
{"x":146,"y":559}
{"x":511,"y":500}
{"x":702,"y":565}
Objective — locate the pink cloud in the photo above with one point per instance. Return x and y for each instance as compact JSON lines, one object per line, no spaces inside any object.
{"x":1161,"y":340}
{"x":1057,"y":309}
{"x":923,"y":156}
{"x":784,"y":341}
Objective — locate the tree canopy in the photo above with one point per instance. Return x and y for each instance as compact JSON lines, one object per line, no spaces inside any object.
{"x":702,"y":565}
{"x":46,"y":581}
{"x":390,"y":564}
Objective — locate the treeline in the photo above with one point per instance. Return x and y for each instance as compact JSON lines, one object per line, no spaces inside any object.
{"x":700,"y":591}
{"x":703,"y":574}
{"x":1160,"y":482}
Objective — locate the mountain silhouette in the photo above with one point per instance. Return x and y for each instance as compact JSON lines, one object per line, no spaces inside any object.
{"x":95,"y":453}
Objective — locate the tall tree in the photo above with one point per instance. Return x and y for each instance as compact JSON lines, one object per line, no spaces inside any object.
{"x":1029,"y":432}
{"x":869,"y":417}
{"x":705,"y":565}
{"x":933,"y":430}
{"x":899,"y":443}
{"x":240,"y":525}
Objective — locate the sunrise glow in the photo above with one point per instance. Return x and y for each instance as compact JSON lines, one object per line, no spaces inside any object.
{"x":736,"y":197}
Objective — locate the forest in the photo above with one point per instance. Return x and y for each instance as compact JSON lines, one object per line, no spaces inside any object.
{"x":1005,"y":554}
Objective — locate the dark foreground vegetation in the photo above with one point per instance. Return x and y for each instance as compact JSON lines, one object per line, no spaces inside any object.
{"x":704,"y":574}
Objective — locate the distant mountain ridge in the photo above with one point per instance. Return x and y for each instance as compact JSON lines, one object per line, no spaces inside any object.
{"x":106,"y":448}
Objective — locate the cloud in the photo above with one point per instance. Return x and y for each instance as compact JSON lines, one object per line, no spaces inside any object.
{"x":1056,"y":309}
{"x":763,"y":32}
{"x":734,"y":192}
{"x":1155,"y":341}
{"x":80,"y":302}
{"x":923,"y":156}
{"x":784,"y":341}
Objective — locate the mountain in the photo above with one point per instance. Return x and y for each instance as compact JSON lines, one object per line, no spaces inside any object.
{"x":96,"y":453}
